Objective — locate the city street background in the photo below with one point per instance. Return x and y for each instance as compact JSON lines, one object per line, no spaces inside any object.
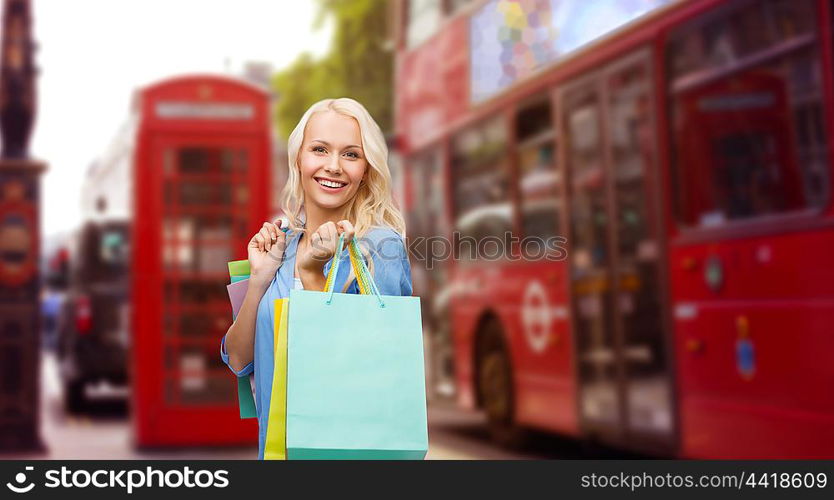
{"x":618,"y":216}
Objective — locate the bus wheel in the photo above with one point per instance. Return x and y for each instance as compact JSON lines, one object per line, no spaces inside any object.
{"x":496,"y":389}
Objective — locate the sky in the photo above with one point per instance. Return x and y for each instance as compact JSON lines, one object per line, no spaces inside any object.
{"x":93,"y":53}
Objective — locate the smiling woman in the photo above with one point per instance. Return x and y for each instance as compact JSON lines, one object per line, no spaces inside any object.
{"x":338,"y":184}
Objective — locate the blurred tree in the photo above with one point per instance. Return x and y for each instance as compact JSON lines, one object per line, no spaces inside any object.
{"x":359,"y":65}
{"x":302,"y":83}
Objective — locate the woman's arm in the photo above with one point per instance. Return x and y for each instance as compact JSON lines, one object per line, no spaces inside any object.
{"x":240,"y":338}
{"x":266,"y":253}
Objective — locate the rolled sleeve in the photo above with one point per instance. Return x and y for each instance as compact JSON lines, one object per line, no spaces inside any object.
{"x":246,"y":370}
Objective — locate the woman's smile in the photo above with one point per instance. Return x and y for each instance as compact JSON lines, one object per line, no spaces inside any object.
{"x":330,"y":185}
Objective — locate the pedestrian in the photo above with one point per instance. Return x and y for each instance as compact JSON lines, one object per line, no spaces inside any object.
{"x":51,"y":303}
{"x":338,"y":183}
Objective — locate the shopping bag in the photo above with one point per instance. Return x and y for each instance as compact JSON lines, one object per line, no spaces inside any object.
{"x":275,"y":443}
{"x":239,"y":268}
{"x":355,"y":383}
{"x":275,"y":447}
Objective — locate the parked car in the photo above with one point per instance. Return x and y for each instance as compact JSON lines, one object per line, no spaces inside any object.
{"x":93,"y":333}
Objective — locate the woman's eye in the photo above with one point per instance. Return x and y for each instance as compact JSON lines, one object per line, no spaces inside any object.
{"x":319,"y":149}
{"x":352,"y":154}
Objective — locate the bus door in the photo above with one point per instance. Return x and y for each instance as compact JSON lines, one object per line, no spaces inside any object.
{"x":204,"y":214}
{"x":615,"y":256}
{"x":545,"y":388}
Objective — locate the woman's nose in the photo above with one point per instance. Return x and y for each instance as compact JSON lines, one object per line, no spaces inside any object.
{"x":333,"y":165}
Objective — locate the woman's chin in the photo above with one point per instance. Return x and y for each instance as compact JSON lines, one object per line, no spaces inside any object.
{"x":328,"y":198}
{"x":330,"y":202}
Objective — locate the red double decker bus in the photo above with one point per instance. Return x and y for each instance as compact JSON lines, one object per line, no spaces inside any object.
{"x":682,"y":149}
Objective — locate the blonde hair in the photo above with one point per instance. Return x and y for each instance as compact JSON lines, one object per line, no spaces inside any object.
{"x":373,"y":204}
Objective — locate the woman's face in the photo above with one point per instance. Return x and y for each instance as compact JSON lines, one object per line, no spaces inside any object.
{"x":331,"y":161}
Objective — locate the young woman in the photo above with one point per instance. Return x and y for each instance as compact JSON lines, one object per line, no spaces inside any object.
{"x":339,"y":182}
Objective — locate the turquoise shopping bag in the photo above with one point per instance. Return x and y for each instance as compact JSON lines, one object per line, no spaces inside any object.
{"x":355,"y":373}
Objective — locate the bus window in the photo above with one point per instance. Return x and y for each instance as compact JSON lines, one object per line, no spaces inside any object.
{"x":428,"y":216}
{"x":481,"y":179}
{"x":588,"y":203}
{"x":539,"y":179}
{"x":746,"y":105}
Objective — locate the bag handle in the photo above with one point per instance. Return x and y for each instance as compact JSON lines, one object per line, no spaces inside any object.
{"x":364,"y":279}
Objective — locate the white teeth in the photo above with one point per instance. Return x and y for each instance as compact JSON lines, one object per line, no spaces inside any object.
{"x":331,"y":184}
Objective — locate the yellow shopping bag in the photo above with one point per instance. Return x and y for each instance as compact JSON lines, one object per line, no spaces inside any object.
{"x":275,"y":447}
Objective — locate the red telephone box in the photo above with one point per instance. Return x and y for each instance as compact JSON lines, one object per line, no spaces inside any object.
{"x":201,"y":179}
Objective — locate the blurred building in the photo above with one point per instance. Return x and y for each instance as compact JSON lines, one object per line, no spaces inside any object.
{"x":106,"y":192}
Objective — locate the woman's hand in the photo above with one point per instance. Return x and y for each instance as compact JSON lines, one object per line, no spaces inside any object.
{"x":266,"y":252}
{"x":322,"y":246}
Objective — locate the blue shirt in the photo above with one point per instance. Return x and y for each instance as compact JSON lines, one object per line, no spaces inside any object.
{"x":392,"y":275}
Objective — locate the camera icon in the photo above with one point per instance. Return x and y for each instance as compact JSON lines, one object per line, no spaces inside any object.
{"x":20,"y":478}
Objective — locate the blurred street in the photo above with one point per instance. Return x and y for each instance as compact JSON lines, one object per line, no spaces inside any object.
{"x":103,"y":430}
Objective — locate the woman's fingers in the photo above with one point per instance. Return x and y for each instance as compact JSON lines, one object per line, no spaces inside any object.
{"x":316,"y":243}
{"x":346,"y":229}
{"x":329,"y":230}
{"x":275,"y":229}
{"x":278,"y":233}
{"x":267,"y":236}
{"x":280,"y":243}
{"x":273,"y":232}
{"x":324,"y":240}
{"x":333,"y":232}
